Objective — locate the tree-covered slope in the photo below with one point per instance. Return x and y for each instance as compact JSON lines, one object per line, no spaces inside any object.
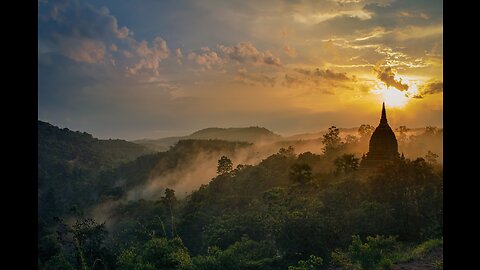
{"x":68,"y":163}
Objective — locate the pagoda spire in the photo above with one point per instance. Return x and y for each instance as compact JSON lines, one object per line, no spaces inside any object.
{"x":383,"y":120}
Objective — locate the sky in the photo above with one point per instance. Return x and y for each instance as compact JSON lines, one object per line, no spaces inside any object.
{"x":135,"y":69}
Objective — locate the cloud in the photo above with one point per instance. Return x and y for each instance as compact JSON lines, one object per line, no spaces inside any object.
{"x":206,"y":58}
{"x":326,"y":74}
{"x":413,"y":14}
{"x":309,"y":82}
{"x":80,"y":19}
{"x":83,"y":32}
{"x":149,"y":58}
{"x":432,"y":88}
{"x":416,"y":32}
{"x":179,"y":55}
{"x":429,"y":88}
{"x":321,"y":17}
{"x":387,"y":76}
{"x":84,"y":50}
{"x":290,"y":51}
{"x":292,"y":81}
{"x":245,"y":52}
{"x":247,"y":78}
{"x":113,"y":48}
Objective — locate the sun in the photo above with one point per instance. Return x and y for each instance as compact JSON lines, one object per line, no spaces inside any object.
{"x":392,"y":97}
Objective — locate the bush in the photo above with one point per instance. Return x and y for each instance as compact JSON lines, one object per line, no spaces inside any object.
{"x":373,"y":254}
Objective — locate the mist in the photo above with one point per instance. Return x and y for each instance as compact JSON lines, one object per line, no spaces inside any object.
{"x":200,"y":168}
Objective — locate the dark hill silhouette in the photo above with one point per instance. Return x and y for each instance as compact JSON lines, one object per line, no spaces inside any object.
{"x":248,"y":134}
{"x":68,"y":163}
{"x":82,"y":150}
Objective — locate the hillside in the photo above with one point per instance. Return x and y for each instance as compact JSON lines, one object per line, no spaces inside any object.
{"x":248,"y":134}
{"x":77,"y":171}
{"x":291,"y":209}
{"x":82,"y":150}
{"x":68,"y":161}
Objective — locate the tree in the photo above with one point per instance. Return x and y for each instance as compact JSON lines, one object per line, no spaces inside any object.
{"x":300,"y":173}
{"x":431,"y":157}
{"x":169,"y":200}
{"x":372,"y":254}
{"x":58,"y":262}
{"x":346,"y":163}
{"x":89,"y":238}
{"x":225,"y":165}
{"x":351,"y":139}
{"x":287,"y":152}
{"x":157,"y":253}
{"x":166,"y":254}
{"x":414,"y":191}
{"x":313,"y":263}
{"x":402,"y":133}
{"x":331,"y":140}
{"x":365,"y":131}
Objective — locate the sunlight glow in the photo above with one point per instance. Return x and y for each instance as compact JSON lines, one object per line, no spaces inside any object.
{"x":391,"y":96}
{"x":394,"y":98}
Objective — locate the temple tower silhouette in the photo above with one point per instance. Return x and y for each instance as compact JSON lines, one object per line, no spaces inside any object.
{"x":383,"y":145}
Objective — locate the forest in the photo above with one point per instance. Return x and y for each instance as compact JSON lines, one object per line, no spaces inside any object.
{"x":219,"y":204}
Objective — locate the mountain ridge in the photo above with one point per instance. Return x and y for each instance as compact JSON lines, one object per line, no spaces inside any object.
{"x":242,"y":134}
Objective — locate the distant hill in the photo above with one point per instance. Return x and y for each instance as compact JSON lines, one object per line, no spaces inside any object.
{"x":82,"y":150}
{"x":248,"y":134}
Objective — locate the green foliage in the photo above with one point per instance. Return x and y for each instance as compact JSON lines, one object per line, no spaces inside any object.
{"x":313,"y":263}
{"x":370,"y":255}
{"x":69,"y":162}
{"x":48,"y":244}
{"x":166,"y":254}
{"x":300,"y":173}
{"x":346,"y":163}
{"x":427,"y":247}
{"x":287,"y":211}
{"x":414,"y":191}
{"x":409,"y":253}
{"x":438,"y":265}
{"x":244,"y":254}
{"x":157,"y":253}
{"x":58,"y":262}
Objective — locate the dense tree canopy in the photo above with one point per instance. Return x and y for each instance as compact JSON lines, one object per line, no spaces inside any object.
{"x":290,"y":211}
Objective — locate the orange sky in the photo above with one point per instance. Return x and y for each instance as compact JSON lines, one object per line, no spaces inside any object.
{"x":150,"y":69}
